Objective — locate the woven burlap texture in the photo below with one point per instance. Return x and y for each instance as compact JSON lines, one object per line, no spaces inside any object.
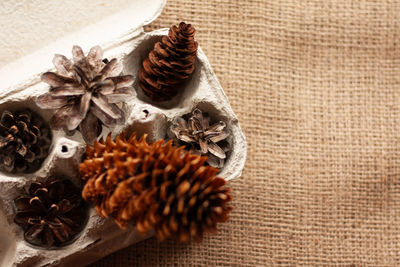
{"x":316,"y":87}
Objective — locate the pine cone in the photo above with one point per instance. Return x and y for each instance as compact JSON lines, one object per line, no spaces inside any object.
{"x":201,"y":138}
{"x":24,"y":141}
{"x":52,"y":214}
{"x":156,"y":186}
{"x":169,"y":64}
{"x":84,"y":92}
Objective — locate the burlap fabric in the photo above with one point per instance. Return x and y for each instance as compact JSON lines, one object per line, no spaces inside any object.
{"x":316,"y":87}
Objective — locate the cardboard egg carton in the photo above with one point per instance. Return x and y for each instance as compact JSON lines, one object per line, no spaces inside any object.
{"x":130,"y":44}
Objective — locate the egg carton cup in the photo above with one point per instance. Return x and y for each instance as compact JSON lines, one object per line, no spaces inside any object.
{"x":101,"y":236}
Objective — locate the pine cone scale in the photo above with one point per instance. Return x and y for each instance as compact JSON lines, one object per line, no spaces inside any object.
{"x":6,"y":140}
{"x":62,"y":64}
{"x":67,"y":90}
{"x":57,"y":80}
{"x":47,"y":101}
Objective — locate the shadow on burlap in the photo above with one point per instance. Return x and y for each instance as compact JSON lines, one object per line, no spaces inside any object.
{"x":316,"y":87}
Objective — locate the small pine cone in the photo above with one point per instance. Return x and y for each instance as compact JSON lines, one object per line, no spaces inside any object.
{"x":52,"y":214}
{"x":156,"y":186}
{"x":169,"y":64}
{"x":201,"y":137}
{"x":25,"y":140}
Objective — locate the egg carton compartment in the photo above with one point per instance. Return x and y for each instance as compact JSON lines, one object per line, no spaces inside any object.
{"x":101,"y":236}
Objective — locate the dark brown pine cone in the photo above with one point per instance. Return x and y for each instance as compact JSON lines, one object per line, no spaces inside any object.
{"x":52,"y":214}
{"x":156,"y":186}
{"x":25,"y":140}
{"x":169,"y":64}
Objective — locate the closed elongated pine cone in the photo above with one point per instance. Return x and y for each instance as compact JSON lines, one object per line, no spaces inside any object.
{"x":155,"y":186}
{"x":169,"y":64}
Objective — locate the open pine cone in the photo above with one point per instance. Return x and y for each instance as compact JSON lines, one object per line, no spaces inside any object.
{"x":202,"y":138}
{"x":52,"y":214}
{"x":156,"y":186}
{"x":85,"y":92}
{"x":25,"y":140}
{"x":169,"y":64}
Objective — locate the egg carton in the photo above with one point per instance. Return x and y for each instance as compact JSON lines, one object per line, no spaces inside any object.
{"x":131,"y":45}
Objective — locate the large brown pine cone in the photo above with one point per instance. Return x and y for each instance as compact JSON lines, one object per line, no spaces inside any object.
{"x":25,"y":140}
{"x":169,"y":64}
{"x":52,"y":214}
{"x":156,"y":186}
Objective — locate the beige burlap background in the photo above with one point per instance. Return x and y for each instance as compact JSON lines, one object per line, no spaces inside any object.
{"x":316,"y":87}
